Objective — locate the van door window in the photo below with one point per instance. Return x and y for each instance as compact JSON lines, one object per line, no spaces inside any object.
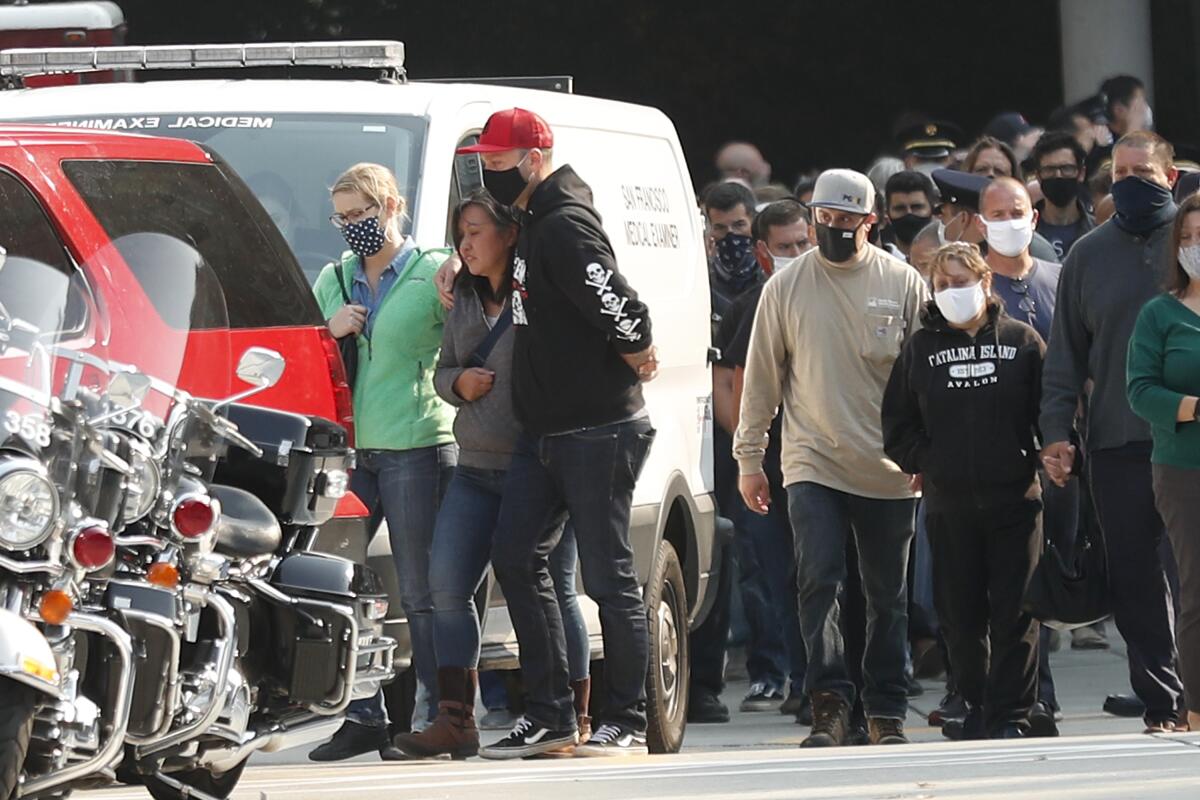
{"x":466,"y":177}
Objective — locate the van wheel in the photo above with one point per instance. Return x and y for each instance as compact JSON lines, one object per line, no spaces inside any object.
{"x":669,"y":675}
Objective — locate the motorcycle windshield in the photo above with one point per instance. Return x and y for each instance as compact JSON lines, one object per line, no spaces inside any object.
{"x":51,"y":346}
{"x":171,"y":323}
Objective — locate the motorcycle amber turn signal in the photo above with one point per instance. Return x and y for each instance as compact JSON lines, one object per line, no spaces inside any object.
{"x":163,"y":575}
{"x":55,"y":606}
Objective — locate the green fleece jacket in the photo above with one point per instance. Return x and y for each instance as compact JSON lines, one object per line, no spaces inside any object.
{"x":395,"y":404}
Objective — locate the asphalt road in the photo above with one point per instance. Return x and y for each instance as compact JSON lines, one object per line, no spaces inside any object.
{"x":756,"y":756}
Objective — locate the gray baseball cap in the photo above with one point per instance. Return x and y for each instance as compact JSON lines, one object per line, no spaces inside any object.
{"x":844,"y":190}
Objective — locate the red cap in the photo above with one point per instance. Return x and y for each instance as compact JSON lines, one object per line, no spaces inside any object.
{"x":512,"y":129}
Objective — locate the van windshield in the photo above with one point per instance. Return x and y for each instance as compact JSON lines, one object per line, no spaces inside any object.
{"x":290,"y":161}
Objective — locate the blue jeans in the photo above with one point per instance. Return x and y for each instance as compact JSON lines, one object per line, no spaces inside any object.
{"x":589,"y":475}
{"x":406,"y":488}
{"x":770,"y":540}
{"x":822,"y":519}
{"x":462,"y":549}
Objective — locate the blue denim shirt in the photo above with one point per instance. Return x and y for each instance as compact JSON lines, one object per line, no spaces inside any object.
{"x":360,"y":291}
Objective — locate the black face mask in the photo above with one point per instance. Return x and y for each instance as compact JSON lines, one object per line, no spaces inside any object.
{"x":1061,"y":192}
{"x":505,"y":185}
{"x":1142,"y":205}
{"x":836,"y":244}
{"x":907,"y":227}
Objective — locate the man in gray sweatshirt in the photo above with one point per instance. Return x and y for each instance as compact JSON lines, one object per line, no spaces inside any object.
{"x":1107,"y":277}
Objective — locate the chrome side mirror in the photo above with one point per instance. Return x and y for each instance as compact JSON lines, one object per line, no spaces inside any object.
{"x":128,"y":390}
{"x":261,"y":367}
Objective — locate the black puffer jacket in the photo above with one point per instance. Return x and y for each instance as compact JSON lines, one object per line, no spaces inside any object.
{"x":962,"y":411}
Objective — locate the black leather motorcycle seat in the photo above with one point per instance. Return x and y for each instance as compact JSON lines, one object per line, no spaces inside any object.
{"x":246,"y":527}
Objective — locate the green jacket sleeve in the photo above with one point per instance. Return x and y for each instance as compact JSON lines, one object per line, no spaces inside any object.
{"x":1149,"y":398}
{"x":327,"y":291}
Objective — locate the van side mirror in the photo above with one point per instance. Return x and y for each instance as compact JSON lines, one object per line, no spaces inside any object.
{"x":261,"y":367}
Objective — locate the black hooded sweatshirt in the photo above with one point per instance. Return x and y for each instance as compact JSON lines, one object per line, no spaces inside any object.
{"x":573,"y":314}
{"x":962,"y":411}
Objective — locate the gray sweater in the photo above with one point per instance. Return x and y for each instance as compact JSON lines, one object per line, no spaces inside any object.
{"x":1106,"y":279}
{"x":486,"y":429}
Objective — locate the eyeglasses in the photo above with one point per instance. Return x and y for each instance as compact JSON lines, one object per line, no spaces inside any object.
{"x":342,"y":220}
{"x":1027,"y":304}
{"x":1058,"y":171}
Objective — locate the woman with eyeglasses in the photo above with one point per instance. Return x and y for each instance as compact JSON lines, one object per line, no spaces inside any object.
{"x":960,"y":415}
{"x":1163,"y":373}
{"x":382,"y":292}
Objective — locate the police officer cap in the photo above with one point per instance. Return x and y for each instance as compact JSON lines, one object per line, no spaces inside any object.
{"x":930,"y":138}
{"x":960,"y":188}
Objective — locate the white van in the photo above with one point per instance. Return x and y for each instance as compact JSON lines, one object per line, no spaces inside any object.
{"x":289,"y":140}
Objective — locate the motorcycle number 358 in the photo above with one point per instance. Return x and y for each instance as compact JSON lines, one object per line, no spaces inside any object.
{"x":32,"y":427}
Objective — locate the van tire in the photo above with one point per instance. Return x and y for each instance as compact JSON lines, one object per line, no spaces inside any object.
{"x":17,"y":705}
{"x":669,"y":676}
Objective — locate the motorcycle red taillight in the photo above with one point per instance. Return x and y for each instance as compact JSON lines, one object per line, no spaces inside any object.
{"x":343,"y":393}
{"x":92,"y":548}
{"x":193,"y":517}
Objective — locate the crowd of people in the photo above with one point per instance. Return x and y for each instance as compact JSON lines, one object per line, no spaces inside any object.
{"x":985,"y":352}
{"x":929,"y":372}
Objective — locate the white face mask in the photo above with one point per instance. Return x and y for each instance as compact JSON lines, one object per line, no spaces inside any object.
{"x":960,"y":306}
{"x":1009,"y":237}
{"x":1189,"y":259}
{"x":782,"y":262}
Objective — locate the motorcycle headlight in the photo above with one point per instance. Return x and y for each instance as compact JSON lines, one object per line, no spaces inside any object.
{"x":141,"y":488}
{"x":28,"y":504}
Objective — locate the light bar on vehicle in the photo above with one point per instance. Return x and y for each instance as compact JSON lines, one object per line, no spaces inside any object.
{"x":373,"y":54}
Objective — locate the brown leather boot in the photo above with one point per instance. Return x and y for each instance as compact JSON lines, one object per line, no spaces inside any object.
{"x":453,"y":733}
{"x":583,"y":697}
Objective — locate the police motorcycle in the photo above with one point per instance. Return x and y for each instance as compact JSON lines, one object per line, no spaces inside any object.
{"x":268,"y":642}
{"x":66,"y":665}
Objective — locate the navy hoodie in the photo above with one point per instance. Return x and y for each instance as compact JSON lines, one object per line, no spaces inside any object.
{"x":962,"y":411}
{"x":574,"y":315}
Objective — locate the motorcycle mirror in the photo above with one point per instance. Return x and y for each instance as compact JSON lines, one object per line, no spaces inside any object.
{"x":128,"y":390}
{"x":261,"y":367}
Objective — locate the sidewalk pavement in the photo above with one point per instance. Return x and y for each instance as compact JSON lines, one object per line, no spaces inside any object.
{"x":1083,"y":678}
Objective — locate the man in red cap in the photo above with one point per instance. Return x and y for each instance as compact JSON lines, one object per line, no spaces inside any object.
{"x":581,"y":351}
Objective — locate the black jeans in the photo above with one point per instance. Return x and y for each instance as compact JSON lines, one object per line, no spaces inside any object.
{"x":823,"y":519}
{"x":589,"y":475}
{"x":1123,"y":489}
{"x":982,"y":562}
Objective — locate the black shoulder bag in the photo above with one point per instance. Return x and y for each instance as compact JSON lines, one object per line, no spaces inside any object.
{"x":348,"y":344}
{"x":1070,"y":592}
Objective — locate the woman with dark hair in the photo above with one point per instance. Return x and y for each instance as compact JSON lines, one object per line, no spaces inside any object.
{"x":474,"y":374}
{"x":960,"y":416}
{"x":992,"y":158}
{"x":1163,"y":374}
